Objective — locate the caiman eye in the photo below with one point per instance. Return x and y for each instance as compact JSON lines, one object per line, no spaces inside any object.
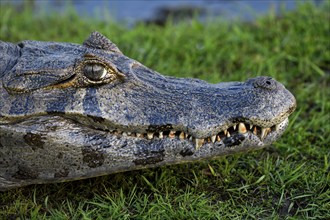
{"x":95,"y":72}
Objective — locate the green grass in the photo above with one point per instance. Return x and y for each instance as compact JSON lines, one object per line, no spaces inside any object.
{"x":288,"y":180}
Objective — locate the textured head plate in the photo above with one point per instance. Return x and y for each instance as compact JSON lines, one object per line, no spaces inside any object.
{"x":98,"y":41}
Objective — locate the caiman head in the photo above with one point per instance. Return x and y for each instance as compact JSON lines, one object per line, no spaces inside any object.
{"x":92,"y":111}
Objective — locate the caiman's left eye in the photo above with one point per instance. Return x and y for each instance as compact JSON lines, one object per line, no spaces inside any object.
{"x":95,"y":72}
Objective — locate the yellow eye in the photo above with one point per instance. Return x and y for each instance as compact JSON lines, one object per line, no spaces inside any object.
{"x":95,"y":72}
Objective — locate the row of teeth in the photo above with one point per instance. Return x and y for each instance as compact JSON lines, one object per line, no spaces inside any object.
{"x":240,"y":127}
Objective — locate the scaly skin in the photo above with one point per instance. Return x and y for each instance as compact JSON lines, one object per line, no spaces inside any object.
{"x":70,"y":111}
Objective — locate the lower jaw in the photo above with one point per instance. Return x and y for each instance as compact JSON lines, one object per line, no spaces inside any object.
{"x":67,"y":146}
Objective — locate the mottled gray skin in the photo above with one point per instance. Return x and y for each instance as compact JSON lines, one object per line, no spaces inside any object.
{"x":62,"y":117}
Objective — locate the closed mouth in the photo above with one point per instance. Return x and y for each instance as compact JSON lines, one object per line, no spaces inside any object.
{"x":239,"y":130}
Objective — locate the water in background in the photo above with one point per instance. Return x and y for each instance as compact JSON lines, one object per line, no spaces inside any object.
{"x":157,"y":11}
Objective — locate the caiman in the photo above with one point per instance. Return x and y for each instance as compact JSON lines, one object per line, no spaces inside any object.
{"x":71,"y":111}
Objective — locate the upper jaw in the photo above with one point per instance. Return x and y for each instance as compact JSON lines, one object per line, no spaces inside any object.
{"x":236,"y":134}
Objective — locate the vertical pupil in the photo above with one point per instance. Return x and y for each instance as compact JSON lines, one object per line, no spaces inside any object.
{"x":97,"y":69}
{"x":94,"y":71}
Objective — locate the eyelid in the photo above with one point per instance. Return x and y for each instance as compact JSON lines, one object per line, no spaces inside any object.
{"x":111,"y":68}
{"x":93,"y":59}
{"x":90,"y":55}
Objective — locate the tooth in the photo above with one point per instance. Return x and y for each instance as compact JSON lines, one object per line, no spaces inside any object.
{"x":255,"y":130}
{"x":161,"y":135}
{"x":251,"y":126}
{"x":181,"y":136}
{"x":213,"y":138}
{"x":129,"y":133}
{"x":190,"y":138}
{"x":198,"y":143}
{"x":186,"y":135}
{"x":172,"y":134}
{"x":228,"y":134}
{"x":241,"y":128}
{"x":263,"y":132}
{"x":225,"y":131}
{"x":234,"y":127}
{"x":150,"y":135}
{"x":277,"y":127}
{"x":218,"y":138}
{"x":138,"y":135}
{"x":124,"y":134}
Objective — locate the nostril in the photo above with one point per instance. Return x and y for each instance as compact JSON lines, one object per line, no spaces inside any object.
{"x":268,"y":82}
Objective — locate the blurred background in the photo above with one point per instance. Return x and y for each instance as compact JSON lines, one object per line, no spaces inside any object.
{"x":131,"y":12}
